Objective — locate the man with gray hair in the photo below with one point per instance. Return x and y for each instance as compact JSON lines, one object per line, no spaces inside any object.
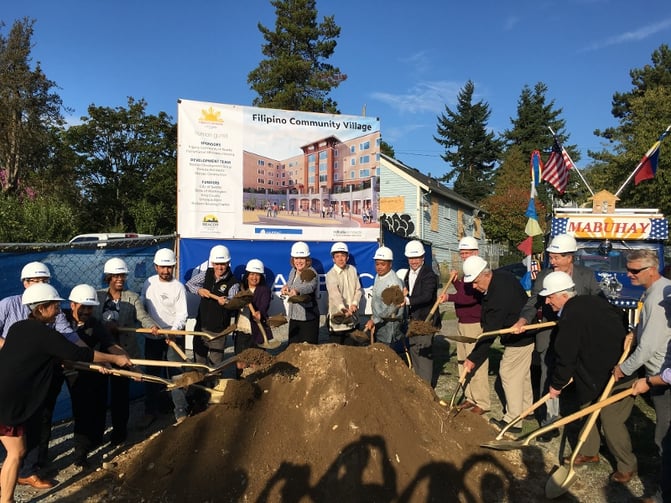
{"x":502,"y":300}
{"x":589,"y":341}
{"x":561,"y":251}
{"x":653,"y":332}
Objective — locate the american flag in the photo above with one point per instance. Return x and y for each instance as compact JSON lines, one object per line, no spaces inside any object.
{"x":557,"y":167}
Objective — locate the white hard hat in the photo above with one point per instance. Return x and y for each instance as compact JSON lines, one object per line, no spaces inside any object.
{"x":339,"y":247}
{"x":115,"y":266}
{"x":468,"y":243}
{"x":401,"y":273}
{"x":85,"y":295}
{"x":562,"y":243}
{"x":39,"y":293}
{"x":383,"y":253}
{"x":220,"y":255}
{"x":414,"y":249}
{"x":165,"y":257}
{"x":300,"y":250}
{"x":473,"y":266}
{"x":255,"y":265}
{"x":35,"y":270}
{"x":556,"y":281}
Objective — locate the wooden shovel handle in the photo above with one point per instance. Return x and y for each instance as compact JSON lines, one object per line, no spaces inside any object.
{"x":437,"y":303}
{"x":509,"y":330}
{"x":175,"y":347}
{"x":162,"y":331}
{"x":119,"y":372}
{"x":591,"y":421}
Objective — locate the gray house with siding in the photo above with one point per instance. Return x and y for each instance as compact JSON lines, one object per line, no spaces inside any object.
{"x":416,"y":205}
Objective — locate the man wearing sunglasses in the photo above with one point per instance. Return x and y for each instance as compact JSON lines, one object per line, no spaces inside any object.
{"x":653,"y":333}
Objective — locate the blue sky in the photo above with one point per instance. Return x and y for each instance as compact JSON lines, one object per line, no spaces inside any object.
{"x":405,"y":60}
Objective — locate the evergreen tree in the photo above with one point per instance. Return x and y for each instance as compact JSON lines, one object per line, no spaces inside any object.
{"x":295,"y":74}
{"x":643,"y":114}
{"x":529,"y":132}
{"x":470,"y":149}
{"x":29,"y":108}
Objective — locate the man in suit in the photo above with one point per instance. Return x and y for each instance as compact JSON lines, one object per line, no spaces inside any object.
{"x":502,"y":300}
{"x":590,"y":339}
{"x":420,"y":288}
{"x":561,"y":254}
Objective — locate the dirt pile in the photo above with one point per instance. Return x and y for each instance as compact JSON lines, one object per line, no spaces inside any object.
{"x":322,"y":423}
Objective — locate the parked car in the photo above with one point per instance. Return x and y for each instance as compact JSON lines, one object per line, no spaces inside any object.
{"x":102,"y":239}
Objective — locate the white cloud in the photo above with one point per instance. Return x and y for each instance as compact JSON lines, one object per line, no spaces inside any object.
{"x":419,"y":61}
{"x":428,"y":96}
{"x":630,"y":36}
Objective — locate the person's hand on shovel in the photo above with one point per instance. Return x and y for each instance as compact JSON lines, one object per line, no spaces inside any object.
{"x":468,"y":365}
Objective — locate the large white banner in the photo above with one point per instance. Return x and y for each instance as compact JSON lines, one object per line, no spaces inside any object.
{"x":255,"y":173}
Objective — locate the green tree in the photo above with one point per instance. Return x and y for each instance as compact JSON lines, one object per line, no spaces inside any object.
{"x":643,"y":114}
{"x":529,"y":132}
{"x":470,"y":149}
{"x":29,"y":108}
{"x":295,"y":74}
{"x":387,"y":149}
{"x":506,"y":207}
{"x":119,"y":151}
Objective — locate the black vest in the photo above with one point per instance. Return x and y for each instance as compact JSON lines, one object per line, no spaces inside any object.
{"x":212,"y":316}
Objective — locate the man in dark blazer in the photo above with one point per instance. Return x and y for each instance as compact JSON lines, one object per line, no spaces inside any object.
{"x":561,"y":254}
{"x":502,"y":300}
{"x":589,"y":342}
{"x":420,"y":287}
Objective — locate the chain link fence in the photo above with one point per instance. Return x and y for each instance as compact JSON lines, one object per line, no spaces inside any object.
{"x":74,"y":264}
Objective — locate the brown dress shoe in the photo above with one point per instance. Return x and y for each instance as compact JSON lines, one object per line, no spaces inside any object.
{"x":476,"y":409}
{"x":621,"y":477}
{"x":583,"y":460}
{"x":36,"y":482}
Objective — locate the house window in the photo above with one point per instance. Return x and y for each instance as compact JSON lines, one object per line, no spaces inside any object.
{"x":352,"y":149}
{"x":261,"y":162}
{"x":364,"y":173}
{"x":364,"y":159}
{"x":352,"y":162}
{"x":364,"y":146}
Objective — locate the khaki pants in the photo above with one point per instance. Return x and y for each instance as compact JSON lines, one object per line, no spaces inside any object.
{"x":515,"y":372}
{"x":477,"y":388}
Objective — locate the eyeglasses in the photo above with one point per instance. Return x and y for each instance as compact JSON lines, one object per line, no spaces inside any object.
{"x":636,"y":271}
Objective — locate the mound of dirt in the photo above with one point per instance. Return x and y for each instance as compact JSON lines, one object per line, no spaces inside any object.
{"x":319,"y":424}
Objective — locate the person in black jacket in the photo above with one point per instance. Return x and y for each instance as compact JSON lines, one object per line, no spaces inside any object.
{"x":26,"y":368}
{"x":589,"y":342}
{"x":89,"y":390}
{"x":420,"y":286}
{"x":502,"y":300}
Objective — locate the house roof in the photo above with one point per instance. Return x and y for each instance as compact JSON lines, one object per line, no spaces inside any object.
{"x":430,"y":184}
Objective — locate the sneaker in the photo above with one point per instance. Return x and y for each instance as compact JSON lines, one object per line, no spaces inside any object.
{"x":501,"y":424}
{"x":179,"y":420}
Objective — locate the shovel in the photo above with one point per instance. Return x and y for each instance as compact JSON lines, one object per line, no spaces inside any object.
{"x":460,"y":386}
{"x":525,"y":413}
{"x":210,"y":336}
{"x":179,"y":381}
{"x":563,"y":477}
{"x":266,"y":344}
{"x":425,"y":327}
{"x":509,"y":445}
{"x":209,"y":371}
{"x":493,"y":333}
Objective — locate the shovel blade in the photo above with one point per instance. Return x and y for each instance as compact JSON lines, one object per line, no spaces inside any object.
{"x":559,"y":482}
{"x":271,"y":344}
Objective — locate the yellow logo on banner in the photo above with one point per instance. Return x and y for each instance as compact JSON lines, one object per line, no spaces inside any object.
{"x":211,"y":115}
{"x":210,"y":218}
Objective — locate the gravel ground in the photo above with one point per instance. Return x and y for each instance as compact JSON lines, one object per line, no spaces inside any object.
{"x":592,"y":486}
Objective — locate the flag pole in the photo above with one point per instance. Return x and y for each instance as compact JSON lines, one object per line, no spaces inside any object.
{"x":645,"y":157}
{"x":576,"y":166}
